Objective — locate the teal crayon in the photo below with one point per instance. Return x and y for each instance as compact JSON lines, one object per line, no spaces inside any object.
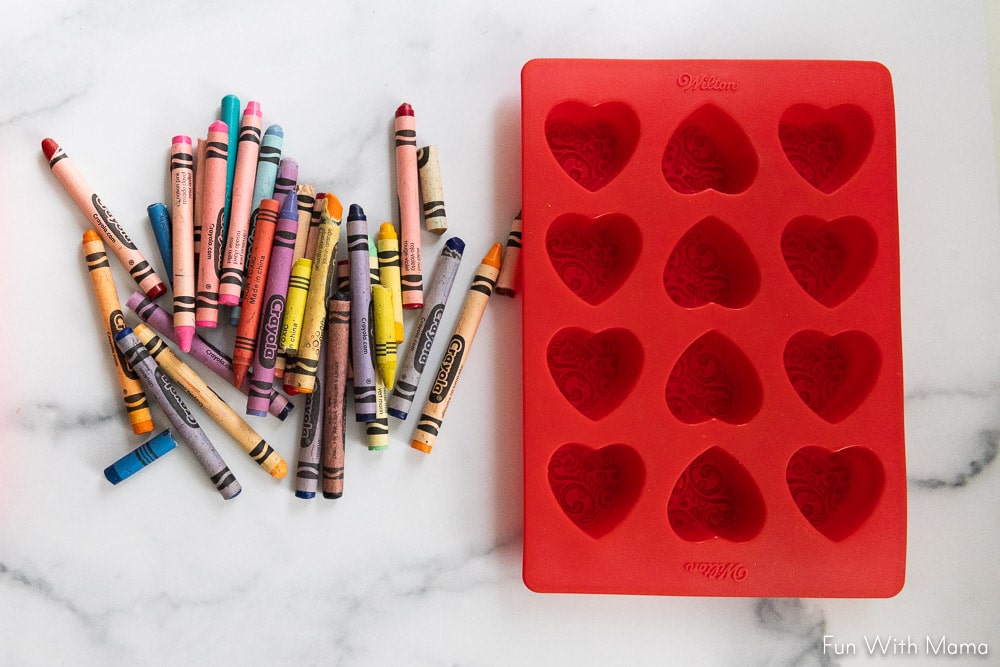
{"x":230,"y":115}
{"x":159,"y":220}
{"x":140,"y":457}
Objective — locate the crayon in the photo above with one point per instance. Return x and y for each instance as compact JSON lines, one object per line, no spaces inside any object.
{"x":140,"y":457}
{"x":385,"y":335}
{"x":457,"y":351}
{"x":373,"y":262}
{"x":229,"y":113}
{"x":377,"y":430}
{"x":182,"y":207}
{"x":314,"y":220}
{"x":263,"y":188}
{"x":306,"y":195}
{"x":212,"y":207}
{"x":284,"y":182}
{"x":507,"y":281}
{"x":295,"y":306}
{"x":212,"y":357}
{"x":159,"y":221}
{"x":102,"y":219}
{"x":256,"y":275}
{"x":110,"y":311}
{"x":216,"y":408}
{"x":199,"y":195}
{"x":338,"y":338}
{"x":343,"y":276}
{"x":431,"y":190}
{"x":307,"y":468}
{"x":361,"y":295}
{"x":411,"y":278}
{"x":272,"y":308}
{"x":422,"y":337}
{"x":248,"y":149}
{"x":302,"y":373}
{"x":184,"y":423}
{"x":388,"y":271}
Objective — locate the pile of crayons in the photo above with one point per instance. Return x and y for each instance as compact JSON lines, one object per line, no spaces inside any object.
{"x":242,"y":231}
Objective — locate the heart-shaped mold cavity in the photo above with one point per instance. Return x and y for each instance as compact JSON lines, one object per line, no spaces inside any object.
{"x":711,"y":264}
{"x":714,"y":497}
{"x":594,"y":371}
{"x":832,"y":374}
{"x":829,"y":260}
{"x":713,"y":379}
{"x":592,"y":143}
{"x":593,"y":256}
{"x":709,"y":151}
{"x":596,"y":488}
{"x":826,"y":146}
{"x":835,"y":491}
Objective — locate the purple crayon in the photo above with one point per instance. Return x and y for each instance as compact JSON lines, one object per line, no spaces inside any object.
{"x":272,"y":308}
{"x":213,"y":358}
{"x":285,"y":182}
{"x":361,"y":298}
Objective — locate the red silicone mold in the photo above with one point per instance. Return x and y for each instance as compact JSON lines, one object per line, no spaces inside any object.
{"x":712,"y":359}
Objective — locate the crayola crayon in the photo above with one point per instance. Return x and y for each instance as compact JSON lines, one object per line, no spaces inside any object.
{"x":507,"y":281}
{"x":377,"y":430}
{"x":361,"y":295}
{"x":306,"y":196}
{"x":457,"y":351}
{"x":231,"y":276}
{"x":338,"y":339}
{"x":388,"y":272}
{"x":256,"y":275}
{"x":422,"y":337}
{"x":212,"y":208}
{"x":103,"y":221}
{"x":385,"y":335}
{"x":302,"y":372}
{"x":411,"y":277}
{"x":272,"y":308}
{"x":313,"y":236}
{"x":295,"y":306}
{"x":159,"y":220}
{"x":263,"y":188}
{"x":213,"y":358}
{"x":343,"y":276}
{"x":206,"y":398}
{"x":284,"y":183}
{"x":199,"y":195}
{"x":431,"y":190}
{"x":184,"y":423}
{"x":307,"y":468}
{"x":182,"y":206}
{"x":110,"y":311}
{"x":140,"y":457}
{"x":229,"y":113}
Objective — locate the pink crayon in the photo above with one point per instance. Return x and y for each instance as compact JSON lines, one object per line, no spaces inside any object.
{"x":411,"y":277}
{"x":212,"y":209}
{"x":231,"y":276}
{"x":182,"y":213}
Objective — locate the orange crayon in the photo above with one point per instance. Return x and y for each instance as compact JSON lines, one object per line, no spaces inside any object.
{"x":256,"y":275}
{"x":110,"y":310}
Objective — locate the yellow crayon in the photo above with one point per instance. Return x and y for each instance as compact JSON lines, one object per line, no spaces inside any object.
{"x":385,"y":340}
{"x":457,"y":352}
{"x":295,"y":306}
{"x":431,"y":191}
{"x":110,"y":310}
{"x":388,"y":271}
{"x":212,"y":404}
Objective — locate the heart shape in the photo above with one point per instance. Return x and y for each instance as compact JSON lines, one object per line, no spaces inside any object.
{"x":832,"y":374}
{"x":829,"y":260}
{"x":711,"y":264}
{"x":715,"y":497}
{"x":713,"y":379}
{"x":594,"y":371}
{"x":835,"y":491}
{"x":593,"y":256}
{"x":826,"y":146}
{"x":709,"y":150}
{"x":592,"y":143}
{"x":596,"y":489}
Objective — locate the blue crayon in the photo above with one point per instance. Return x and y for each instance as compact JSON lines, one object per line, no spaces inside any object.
{"x":365,"y":408}
{"x":159,"y":220}
{"x":140,"y":457}
{"x":263,"y":188}
{"x":230,"y":115}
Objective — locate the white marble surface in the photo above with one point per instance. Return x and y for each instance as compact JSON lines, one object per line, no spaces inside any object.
{"x":419,"y":563}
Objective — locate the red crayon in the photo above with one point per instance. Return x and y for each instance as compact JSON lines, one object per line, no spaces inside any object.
{"x":103,"y":221}
{"x":212,"y":206}
{"x":407,"y":189}
{"x":231,"y":277}
{"x":256,"y":275}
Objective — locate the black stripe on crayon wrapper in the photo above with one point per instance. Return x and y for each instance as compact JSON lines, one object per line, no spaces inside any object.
{"x":59,"y":155}
{"x":307,"y":470}
{"x":250,"y":133}
{"x":331,"y":472}
{"x":261,"y":451}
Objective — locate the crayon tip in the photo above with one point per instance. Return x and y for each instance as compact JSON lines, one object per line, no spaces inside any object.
{"x":275,"y":130}
{"x":289,"y":209}
{"x":229,"y":300}
{"x":333,"y":206}
{"x":279,"y":470}
{"x":386,"y":232}
{"x":181,"y":139}
{"x":253,"y":109}
{"x":404,"y":110}
{"x":185,"y":336}
{"x":230,"y":101}
{"x":456,"y":244}
{"x":333,"y":495}
{"x":256,"y":413}
{"x":377,"y":448}
{"x":388,"y":374}
{"x":145,"y":426}
{"x":112,"y":475}
{"x":218,"y":126}
{"x":493,"y":256}
{"x":355,"y":213}
{"x":305,"y":495}
{"x":398,"y":414}
{"x":155,"y":291}
{"x":49,"y":147}
{"x":421,"y":446}
{"x":206,"y":324}
{"x":400,"y":334}
{"x":235,"y":494}
{"x":156,"y":209}
{"x":284,"y":413}
{"x":90,"y":236}
{"x":291,"y":390}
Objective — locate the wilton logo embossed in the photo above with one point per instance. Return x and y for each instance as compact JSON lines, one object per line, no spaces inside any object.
{"x":427,"y":339}
{"x":733,"y":571}
{"x":689,"y":83}
{"x":449,"y":369}
{"x":268,"y":348}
